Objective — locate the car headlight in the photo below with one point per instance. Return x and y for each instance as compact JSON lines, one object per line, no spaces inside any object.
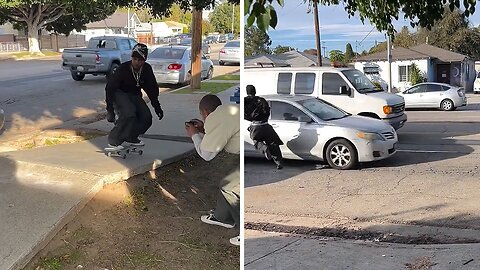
{"x":387,"y":109}
{"x":370,"y":136}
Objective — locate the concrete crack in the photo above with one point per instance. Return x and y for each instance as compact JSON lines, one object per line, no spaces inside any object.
{"x":270,"y":253}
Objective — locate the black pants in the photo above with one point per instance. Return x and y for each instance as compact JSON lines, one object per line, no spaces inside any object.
{"x":134,"y":118}
{"x":266,"y":139}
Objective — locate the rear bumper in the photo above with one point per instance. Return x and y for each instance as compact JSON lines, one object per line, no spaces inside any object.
{"x":229,"y":58}
{"x":170,"y":77}
{"x":87,"y":69}
{"x":396,"y":122}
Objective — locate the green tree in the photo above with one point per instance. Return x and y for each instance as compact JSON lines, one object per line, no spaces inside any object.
{"x":379,"y":13}
{"x":58,"y":15}
{"x":256,"y":42}
{"x":206,"y":27}
{"x":337,"y":56}
{"x":416,"y":75}
{"x":349,"y":52}
{"x":221,"y":18}
{"x":282,"y":49}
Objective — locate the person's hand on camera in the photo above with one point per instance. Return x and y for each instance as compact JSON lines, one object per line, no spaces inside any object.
{"x":190,"y":129}
{"x":159,"y":113}
{"x":111,"y":116}
{"x":198,"y":124}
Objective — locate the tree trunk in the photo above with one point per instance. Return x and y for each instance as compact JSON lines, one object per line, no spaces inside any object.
{"x":33,"y":44}
{"x":196,"y":49}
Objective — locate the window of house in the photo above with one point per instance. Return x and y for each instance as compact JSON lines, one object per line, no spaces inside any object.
{"x":402,"y":73}
{"x":304,"y":83}
{"x":284,"y":83}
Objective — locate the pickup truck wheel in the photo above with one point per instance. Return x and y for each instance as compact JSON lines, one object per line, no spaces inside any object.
{"x":112,"y":70}
{"x":77,"y":76}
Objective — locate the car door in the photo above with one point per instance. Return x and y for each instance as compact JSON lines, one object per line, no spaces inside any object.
{"x":433,"y":95}
{"x":125,"y":50}
{"x":204,"y":66}
{"x":414,"y":96}
{"x":300,"y":139}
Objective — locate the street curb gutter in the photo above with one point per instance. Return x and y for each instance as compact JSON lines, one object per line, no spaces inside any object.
{"x":73,"y":212}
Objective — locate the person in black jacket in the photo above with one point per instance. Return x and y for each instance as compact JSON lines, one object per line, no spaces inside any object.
{"x":124,"y":98}
{"x":266,"y":140}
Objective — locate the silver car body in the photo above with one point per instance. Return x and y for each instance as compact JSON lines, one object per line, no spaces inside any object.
{"x":433,"y":95}
{"x":230,"y":53}
{"x":308,"y":141}
{"x":163,"y":58}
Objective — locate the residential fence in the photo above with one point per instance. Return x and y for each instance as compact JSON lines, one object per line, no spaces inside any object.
{"x":51,"y":42}
{"x":12,"y":47}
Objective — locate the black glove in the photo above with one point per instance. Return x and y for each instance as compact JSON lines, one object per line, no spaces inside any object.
{"x":111,"y":116}
{"x":159,"y":113}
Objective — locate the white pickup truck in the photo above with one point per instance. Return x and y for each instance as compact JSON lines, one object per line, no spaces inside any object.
{"x":101,"y":57}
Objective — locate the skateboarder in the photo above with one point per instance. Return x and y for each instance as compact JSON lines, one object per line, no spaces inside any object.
{"x":263,"y":135}
{"x":124,"y":97}
{"x":221,"y":131}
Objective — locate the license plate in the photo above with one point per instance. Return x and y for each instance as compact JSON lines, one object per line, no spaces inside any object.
{"x":158,"y":66}
{"x":80,"y":68}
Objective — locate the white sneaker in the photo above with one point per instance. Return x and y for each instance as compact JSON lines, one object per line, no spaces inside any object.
{"x":136,"y":143}
{"x":210,"y":219}
{"x":235,"y":241}
{"x":115,"y":147}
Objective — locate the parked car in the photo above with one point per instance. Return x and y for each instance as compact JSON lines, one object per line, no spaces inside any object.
{"x":230,"y":53}
{"x":206,"y":49}
{"x":434,"y":95}
{"x":171,"y":64}
{"x":2,"y":119}
{"x":211,"y":39}
{"x":346,"y":88}
{"x":223,"y":39}
{"x":313,"y":129}
{"x":101,"y":57}
{"x":476,"y":84}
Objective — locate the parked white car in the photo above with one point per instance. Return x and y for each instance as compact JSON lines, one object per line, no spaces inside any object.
{"x":172,"y":64}
{"x":313,"y":129}
{"x":230,"y":53}
{"x":434,"y":95}
{"x":346,"y":88}
{"x":476,"y":84}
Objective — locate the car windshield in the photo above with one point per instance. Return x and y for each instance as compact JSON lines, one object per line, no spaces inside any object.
{"x":360,"y":81}
{"x":323,"y":110}
{"x":233,"y":44}
{"x":168,"y":53}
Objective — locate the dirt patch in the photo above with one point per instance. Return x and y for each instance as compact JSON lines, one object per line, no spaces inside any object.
{"x":151,"y":221}
{"x":423,"y":263}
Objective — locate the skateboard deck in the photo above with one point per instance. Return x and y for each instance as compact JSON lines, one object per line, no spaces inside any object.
{"x":111,"y":152}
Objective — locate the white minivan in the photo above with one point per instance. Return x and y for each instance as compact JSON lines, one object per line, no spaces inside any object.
{"x":346,"y":88}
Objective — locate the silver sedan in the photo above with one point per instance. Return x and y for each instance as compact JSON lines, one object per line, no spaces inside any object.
{"x":313,"y":129}
{"x":172,"y":64}
{"x":230,"y":53}
{"x":434,"y":95}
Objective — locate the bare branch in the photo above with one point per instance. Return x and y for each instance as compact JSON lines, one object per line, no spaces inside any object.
{"x":16,"y":18}
{"x":53,"y":17}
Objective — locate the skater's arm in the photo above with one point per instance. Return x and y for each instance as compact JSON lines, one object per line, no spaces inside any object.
{"x":197,"y":141}
{"x":113,"y":84}
{"x":151,"y":87}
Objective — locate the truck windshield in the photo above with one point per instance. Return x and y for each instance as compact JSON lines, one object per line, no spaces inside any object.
{"x":360,"y":81}
{"x":323,"y":110}
{"x":167,"y":53}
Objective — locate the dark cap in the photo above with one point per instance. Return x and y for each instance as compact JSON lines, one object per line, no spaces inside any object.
{"x":251,"y":90}
{"x":140,"y":51}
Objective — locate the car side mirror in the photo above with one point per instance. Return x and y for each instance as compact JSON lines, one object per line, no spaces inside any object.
{"x":207,"y":57}
{"x":344,"y":90}
{"x":304,"y":119}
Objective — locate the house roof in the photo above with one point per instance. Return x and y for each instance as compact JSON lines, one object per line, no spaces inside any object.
{"x":176,"y":24}
{"x":291,"y":58}
{"x":423,"y":51}
{"x":116,"y":20}
{"x":439,"y":53}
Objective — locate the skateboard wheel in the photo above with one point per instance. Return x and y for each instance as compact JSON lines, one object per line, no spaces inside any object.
{"x":124,"y":156}
{"x":109,"y":154}
{"x":128,"y":151}
{"x":140,"y":152}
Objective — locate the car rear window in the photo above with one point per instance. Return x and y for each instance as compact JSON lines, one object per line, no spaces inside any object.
{"x":233,"y":44}
{"x":168,"y":53}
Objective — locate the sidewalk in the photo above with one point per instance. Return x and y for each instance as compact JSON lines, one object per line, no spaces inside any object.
{"x":285,"y":251}
{"x":43,"y":189}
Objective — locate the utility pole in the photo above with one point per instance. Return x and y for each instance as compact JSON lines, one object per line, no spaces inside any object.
{"x":196,"y":49}
{"x":233,"y":16}
{"x":389,"y":59}
{"x":128,"y":22}
{"x":317,"y":32}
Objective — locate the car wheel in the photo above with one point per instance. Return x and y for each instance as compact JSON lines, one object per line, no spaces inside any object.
{"x":188,"y":78}
{"x":447,"y":105}
{"x":221,"y":63}
{"x":112,"y":70}
{"x":341,"y":155}
{"x":210,"y":73}
{"x":77,"y":76}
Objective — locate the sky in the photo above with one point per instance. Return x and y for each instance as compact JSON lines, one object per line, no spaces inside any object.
{"x":296,"y":28}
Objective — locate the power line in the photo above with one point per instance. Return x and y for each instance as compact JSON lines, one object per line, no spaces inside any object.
{"x":366,"y":36}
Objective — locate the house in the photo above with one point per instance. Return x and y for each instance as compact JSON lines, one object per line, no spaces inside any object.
{"x":119,"y":23}
{"x":436,"y":64}
{"x":291,"y":58}
{"x":7,"y":29}
{"x":176,"y":27}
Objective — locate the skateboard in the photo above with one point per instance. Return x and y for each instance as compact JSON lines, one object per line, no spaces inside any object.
{"x":124,"y":152}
